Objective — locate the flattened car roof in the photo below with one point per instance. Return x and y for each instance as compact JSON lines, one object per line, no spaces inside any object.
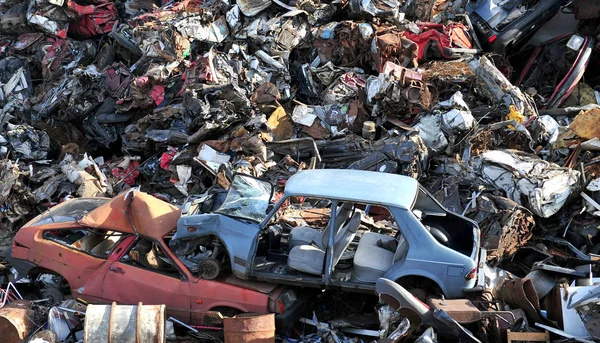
{"x":133,"y":211}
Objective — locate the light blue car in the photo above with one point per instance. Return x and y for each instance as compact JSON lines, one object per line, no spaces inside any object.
{"x":430,"y":247}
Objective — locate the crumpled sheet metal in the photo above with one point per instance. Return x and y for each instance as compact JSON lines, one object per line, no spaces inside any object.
{"x":520,"y":293}
{"x":193,"y":28}
{"x":251,"y":8}
{"x":589,"y":314}
{"x":93,"y":19}
{"x":545,"y":186}
{"x":25,"y":142}
{"x":500,"y":88}
{"x":394,"y":48}
{"x":15,"y":79}
{"x":585,"y":124}
{"x":505,"y":227}
{"x":452,"y":117}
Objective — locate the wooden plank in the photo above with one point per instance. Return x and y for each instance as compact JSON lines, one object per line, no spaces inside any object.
{"x":527,"y":336}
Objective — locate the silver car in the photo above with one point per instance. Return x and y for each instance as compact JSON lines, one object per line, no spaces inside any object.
{"x":426,"y":246}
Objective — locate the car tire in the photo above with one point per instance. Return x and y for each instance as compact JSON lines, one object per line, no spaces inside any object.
{"x":211,"y":269}
{"x":440,"y":234}
{"x":54,"y":295}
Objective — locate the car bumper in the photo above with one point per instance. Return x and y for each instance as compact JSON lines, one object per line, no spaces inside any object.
{"x":480,"y":283}
{"x":284,"y":321}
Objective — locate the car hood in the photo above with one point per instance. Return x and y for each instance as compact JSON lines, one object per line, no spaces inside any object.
{"x":134,"y":212}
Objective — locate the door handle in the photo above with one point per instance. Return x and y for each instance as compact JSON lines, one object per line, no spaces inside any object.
{"x":117,"y":270}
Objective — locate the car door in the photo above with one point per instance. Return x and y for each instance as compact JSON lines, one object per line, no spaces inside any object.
{"x":133,"y":279}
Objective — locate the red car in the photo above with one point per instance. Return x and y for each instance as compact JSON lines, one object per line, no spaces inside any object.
{"x":117,"y":250}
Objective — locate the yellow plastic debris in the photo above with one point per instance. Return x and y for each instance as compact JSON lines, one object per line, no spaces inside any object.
{"x":515,"y":115}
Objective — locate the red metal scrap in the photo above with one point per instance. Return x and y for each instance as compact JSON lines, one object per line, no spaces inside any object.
{"x":93,"y":20}
{"x":441,"y":38}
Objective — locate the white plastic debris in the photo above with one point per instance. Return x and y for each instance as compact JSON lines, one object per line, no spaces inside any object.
{"x":211,"y":158}
{"x":545,"y":185}
{"x":304,"y":115}
{"x":430,"y":131}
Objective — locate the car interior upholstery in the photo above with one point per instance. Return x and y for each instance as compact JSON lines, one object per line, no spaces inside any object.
{"x":305,"y":235}
{"x":309,"y":258}
{"x":98,"y":243}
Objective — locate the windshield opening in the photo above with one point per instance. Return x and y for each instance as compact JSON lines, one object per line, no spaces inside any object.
{"x":248,"y":198}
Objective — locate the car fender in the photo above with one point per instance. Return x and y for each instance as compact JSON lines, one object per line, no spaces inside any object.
{"x":22,"y":266}
{"x":237,"y":236}
{"x":397,"y":272}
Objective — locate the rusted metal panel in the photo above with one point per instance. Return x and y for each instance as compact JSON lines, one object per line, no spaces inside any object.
{"x":249,"y":327}
{"x":15,"y":324}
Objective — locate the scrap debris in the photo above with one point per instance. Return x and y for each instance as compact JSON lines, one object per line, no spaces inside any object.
{"x":493,"y":106}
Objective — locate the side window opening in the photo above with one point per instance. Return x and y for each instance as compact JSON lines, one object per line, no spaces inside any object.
{"x":149,"y":255}
{"x":98,"y":243}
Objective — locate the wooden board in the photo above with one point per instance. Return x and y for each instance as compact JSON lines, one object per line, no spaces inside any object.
{"x":527,"y":336}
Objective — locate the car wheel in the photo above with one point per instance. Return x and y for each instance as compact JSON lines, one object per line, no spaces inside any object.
{"x":54,"y":295}
{"x":420,"y":287}
{"x":211,"y":269}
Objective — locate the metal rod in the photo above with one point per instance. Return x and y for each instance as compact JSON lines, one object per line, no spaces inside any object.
{"x":183,"y":324}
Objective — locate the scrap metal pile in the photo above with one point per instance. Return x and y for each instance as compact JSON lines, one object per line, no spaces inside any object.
{"x":497,"y":118}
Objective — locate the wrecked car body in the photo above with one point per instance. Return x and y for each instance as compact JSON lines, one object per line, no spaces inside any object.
{"x":247,"y":228}
{"x":315,"y":148}
{"x":504,"y":25}
{"x":107,"y":250}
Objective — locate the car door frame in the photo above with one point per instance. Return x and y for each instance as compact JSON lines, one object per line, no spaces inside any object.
{"x":71,"y":273}
{"x":185,"y":276}
{"x":307,"y":281}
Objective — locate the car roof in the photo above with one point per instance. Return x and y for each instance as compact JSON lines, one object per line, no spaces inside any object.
{"x":355,"y":185}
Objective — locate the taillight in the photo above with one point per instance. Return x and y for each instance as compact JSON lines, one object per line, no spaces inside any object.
{"x":280,"y":306}
{"x":472,"y":274}
{"x":492,"y":38}
{"x":280,"y":300}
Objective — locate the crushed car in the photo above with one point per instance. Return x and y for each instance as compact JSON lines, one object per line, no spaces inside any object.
{"x":505,"y":25}
{"x":418,"y":242}
{"x":106,"y":250}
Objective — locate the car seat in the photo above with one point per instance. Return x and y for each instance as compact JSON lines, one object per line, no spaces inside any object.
{"x":309,"y":259}
{"x":371,"y":260}
{"x":147,"y":256}
{"x":89,"y":241}
{"x":107,"y":244}
{"x":304,"y":235}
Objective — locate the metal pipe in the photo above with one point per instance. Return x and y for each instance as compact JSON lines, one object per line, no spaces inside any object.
{"x":171,"y":319}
